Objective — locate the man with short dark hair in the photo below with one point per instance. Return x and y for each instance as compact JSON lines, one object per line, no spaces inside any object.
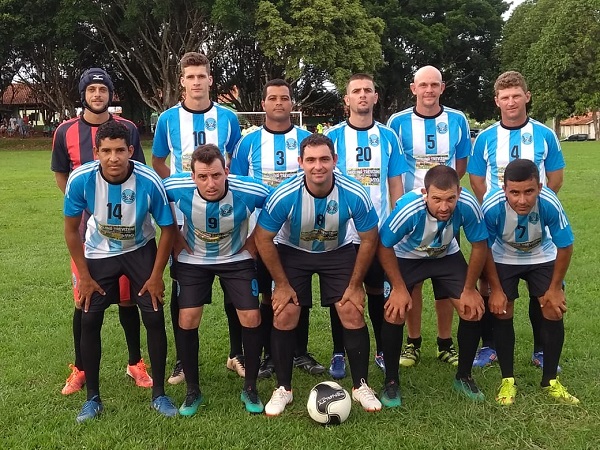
{"x":531,"y":239}
{"x":72,"y":146}
{"x":313,"y":210}
{"x":215,"y":242}
{"x":194,"y":121}
{"x":270,"y":154}
{"x":418,"y":242}
{"x":124,"y":199}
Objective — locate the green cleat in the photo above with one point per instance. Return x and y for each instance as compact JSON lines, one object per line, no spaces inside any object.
{"x":390,"y":395}
{"x":468,"y":388}
{"x":192,"y":401}
{"x":410,"y":356}
{"x":449,"y":356}
{"x":507,"y":392}
{"x":252,"y":402}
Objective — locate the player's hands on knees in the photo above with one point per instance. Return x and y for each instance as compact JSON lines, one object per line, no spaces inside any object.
{"x":282,"y":294}
{"x":356,"y":296}
{"x":498,"y":302}
{"x":554,"y":304}
{"x":397,"y":304}
{"x":155,"y":286}
{"x":87,"y":287}
{"x":180,"y":244}
{"x":470,"y":305}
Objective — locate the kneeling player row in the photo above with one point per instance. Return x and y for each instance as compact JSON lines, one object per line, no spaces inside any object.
{"x":308,"y":217}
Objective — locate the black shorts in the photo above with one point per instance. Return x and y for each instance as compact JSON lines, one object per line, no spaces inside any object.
{"x":265,"y":281}
{"x":333,"y":267}
{"x":537,"y":277}
{"x":447,"y":274}
{"x":237,"y":279}
{"x":136,"y":265}
{"x":375,"y":275}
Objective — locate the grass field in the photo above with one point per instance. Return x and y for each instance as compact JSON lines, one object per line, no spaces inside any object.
{"x":35,"y":330}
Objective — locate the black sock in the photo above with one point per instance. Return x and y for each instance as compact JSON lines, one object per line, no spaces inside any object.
{"x":282,"y":345}
{"x":417,"y":342}
{"x":130,"y":321}
{"x":391,"y":335}
{"x":536,"y":318}
{"x":375,"y":304}
{"x":553,"y":337}
{"x":468,"y":338}
{"x":174,"y":308}
{"x":444,"y":344}
{"x":504,"y":337}
{"x":266,"y":323}
{"x":91,"y":350}
{"x":157,"y":348}
{"x":357,"y":348}
{"x":251,"y":338}
{"x":302,"y":331}
{"x":487,"y":325}
{"x":235,"y":331}
{"x":189,"y":345}
{"x":77,"y":338}
{"x":337,"y":331}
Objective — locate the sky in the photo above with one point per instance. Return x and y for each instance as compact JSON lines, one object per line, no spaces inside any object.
{"x":515,"y":3}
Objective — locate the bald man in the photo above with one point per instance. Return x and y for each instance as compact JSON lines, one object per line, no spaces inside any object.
{"x":431,"y":134}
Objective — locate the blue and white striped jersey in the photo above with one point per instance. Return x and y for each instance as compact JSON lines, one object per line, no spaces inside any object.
{"x":530,"y":239}
{"x":120,"y":213}
{"x":415,"y":234}
{"x":430,"y":141}
{"x":216,"y":231}
{"x":370,"y":155}
{"x":317,"y":224}
{"x":497,"y":145}
{"x":269,"y":156}
{"x":180,"y":130}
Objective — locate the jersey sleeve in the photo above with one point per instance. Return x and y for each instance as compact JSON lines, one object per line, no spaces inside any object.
{"x":60,"y":161}
{"x":463,"y":147}
{"x":398,"y":164}
{"x":490,"y":209}
{"x":363,"y":212}
{"x":160,"y":148}
{"x":556,"y":219}
{"x":275,"y":212}
{"x":235,"y":134}
{"x":240,"y":164}
{"x":138,"y":151}
{"x":75,"y":202}
{"x":473,"y":223}
{"x":400,"y":222}
{"x":159,"y":205}
{"x":554,"y":159}
{"x":477,"y":164}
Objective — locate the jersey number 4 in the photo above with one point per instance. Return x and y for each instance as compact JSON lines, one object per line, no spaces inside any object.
{"x":114,"y":210}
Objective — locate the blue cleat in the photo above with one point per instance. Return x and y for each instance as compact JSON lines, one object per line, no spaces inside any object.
{"x":164,"y":406}
{"x":90,"y":410}
{"x":485,"y":357}
{"x":537,"y":359}
{"x":337,"y":369}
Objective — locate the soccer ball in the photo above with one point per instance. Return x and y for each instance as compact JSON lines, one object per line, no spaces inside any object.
{"x":329,"y":403}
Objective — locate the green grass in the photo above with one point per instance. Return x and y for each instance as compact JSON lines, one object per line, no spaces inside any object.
{"x":35,"y":324}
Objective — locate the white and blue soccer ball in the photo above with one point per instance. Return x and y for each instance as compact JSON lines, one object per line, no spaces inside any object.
{"x":329,"y":403}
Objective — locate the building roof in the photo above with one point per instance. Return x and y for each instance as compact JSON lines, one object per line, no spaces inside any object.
{"x":578,"y":120}
{"x":19,"y":94}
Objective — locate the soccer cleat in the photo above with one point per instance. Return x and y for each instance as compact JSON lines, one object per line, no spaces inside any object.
{"x":91,"y":409}
{"x":309,"y":364}
{"x":485,"y":357}
{"x":75,"y":382}
{"x":337,"y":368}
{"x":410,"y":356}
{"x":251,"y":401}
{"x":237,"y":365}
{"x":559,"y":392}
{"x":279,"y":400}
{"x":366,"y":397}
{"x":267,"y":367}
{"x":164,"y":406}
{"x":379,"y":362}
{"x":449,"y":356}
{"x":191,"y":403}
{"x":177,"y":376}
{"x":507,"y":392}
{"x":139,"y":374}
{"x":468,"y":388}
{"x":390,"y":395}
{"x":537,"y":359}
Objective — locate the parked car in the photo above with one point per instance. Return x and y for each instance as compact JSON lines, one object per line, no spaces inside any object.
{"x":577,"y":137}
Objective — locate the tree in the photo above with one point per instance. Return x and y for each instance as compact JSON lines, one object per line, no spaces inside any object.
{"x":562,"y":65}
{"x":457,"y":36}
